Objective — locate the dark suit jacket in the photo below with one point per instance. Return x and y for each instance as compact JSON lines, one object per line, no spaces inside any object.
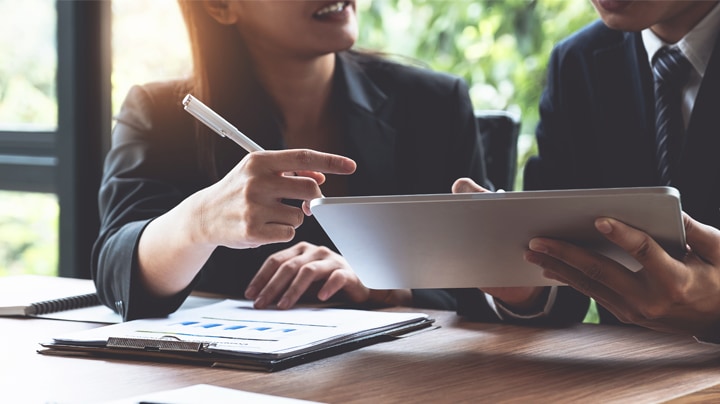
{"x":597,"y":130}
{"x":409,"y":130}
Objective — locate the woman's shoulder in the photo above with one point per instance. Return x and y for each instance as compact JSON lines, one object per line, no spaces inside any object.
{"x":159,"y":93}
{"x":150,"y":102}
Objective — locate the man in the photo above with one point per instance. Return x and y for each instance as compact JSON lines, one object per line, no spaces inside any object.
{"x":605,"y":122}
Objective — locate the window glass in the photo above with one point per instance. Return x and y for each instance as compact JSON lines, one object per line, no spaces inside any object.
{"x":28,"y":65}
{"x":28,"y":233}
{"x":28,"y":102}
{"x":149,"y":44}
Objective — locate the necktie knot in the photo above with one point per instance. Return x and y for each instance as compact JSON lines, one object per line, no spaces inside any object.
{"x":671,"y":67}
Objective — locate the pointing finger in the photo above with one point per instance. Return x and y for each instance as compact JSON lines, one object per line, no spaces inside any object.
{"x":298,"y":160}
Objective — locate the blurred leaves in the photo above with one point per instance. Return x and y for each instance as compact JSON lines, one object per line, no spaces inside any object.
{"x":28,"y":61}
{"x":500,"y":47}
{"x":28,"y":233}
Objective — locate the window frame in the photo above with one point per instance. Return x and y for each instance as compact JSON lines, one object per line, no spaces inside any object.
{"x":68,"y":161}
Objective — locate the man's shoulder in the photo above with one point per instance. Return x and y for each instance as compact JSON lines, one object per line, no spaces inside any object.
{"x":591,"y":38}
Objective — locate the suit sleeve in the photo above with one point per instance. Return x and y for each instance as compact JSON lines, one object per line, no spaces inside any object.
{"x":554,"y":166}
{"x":465,"y":159}
{"x":134,"y":190}
{"x":458,"y":152}
{"x":548,"y":170}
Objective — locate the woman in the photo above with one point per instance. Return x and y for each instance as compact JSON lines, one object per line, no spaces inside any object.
{"x":184,"y":209}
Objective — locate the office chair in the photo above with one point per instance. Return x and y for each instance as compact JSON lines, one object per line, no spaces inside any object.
{"x":499,"y":131}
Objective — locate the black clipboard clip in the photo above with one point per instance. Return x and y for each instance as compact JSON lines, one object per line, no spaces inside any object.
{"x":165,"y":343}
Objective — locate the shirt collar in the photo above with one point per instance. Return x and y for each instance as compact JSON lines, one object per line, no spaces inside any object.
{"x":697,"y":45}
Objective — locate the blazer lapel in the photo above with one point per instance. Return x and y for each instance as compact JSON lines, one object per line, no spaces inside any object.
{"x":369,"y":139}
{"x":699,"y":173}
{"x":624,"y":104}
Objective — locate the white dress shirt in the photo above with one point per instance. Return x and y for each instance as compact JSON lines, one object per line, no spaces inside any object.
{"x":697,"y":46}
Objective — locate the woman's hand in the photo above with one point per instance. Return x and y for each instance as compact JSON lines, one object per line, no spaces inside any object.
{"x":288,"y":274}
{"x":245,"y":209}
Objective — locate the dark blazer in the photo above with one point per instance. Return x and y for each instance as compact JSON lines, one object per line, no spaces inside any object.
{"x":410,"y":131}
{"x":597,"y":130}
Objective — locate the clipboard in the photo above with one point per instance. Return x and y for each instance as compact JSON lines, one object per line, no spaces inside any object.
{"x":231,"y":334}
{"x":478,"y":239}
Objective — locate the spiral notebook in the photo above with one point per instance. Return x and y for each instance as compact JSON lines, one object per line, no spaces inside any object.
{"x":36,"y":295}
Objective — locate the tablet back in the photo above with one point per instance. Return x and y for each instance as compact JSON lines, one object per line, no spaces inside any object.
{"x":478,"y":240}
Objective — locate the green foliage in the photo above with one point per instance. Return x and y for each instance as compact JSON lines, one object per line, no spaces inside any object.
{"x":28,"y":233}
{"x":500,"y":47}
{"x":28,"y":63}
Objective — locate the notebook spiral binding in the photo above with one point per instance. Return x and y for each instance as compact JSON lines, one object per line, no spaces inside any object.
{"x":66,"y":303}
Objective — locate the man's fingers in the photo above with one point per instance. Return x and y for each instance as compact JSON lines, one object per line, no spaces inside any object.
{"x":638,"y":244}
{"x":580,"y":267}
{"x":558,"y":270}
{"x":702,"y":239}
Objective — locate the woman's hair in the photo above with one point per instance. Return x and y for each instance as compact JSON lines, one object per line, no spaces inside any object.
{"x":223,"y":79}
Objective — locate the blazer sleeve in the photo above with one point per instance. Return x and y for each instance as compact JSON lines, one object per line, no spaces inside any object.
{"x":437,"y":143}
{"x":464,"y":158}
{"x":138,"y":185}
{"x":469,"y":154}
{"x":553,"y":167}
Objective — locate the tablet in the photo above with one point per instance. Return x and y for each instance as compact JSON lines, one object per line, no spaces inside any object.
{"x":478,"y":239}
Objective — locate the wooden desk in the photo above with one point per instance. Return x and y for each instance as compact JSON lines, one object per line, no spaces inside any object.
{"x":461,"y":361}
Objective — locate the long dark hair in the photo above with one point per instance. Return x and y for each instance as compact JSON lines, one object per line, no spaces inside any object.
{"x":223,"y":78}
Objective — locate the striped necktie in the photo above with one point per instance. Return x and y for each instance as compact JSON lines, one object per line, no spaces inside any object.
{"x":671,"y":70}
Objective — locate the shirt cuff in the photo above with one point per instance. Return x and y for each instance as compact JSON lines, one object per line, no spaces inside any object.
{"x":504,"y":313}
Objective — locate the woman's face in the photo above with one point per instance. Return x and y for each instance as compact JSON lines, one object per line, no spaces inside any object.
{"x":305,"y":28}
{"x":670,"y":17}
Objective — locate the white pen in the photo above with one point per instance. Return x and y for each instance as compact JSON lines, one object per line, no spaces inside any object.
{"x":217,"y":123}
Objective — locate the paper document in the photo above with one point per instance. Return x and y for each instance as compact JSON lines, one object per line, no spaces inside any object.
{"x":235,"y":328}
{"x":206,"y":393}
